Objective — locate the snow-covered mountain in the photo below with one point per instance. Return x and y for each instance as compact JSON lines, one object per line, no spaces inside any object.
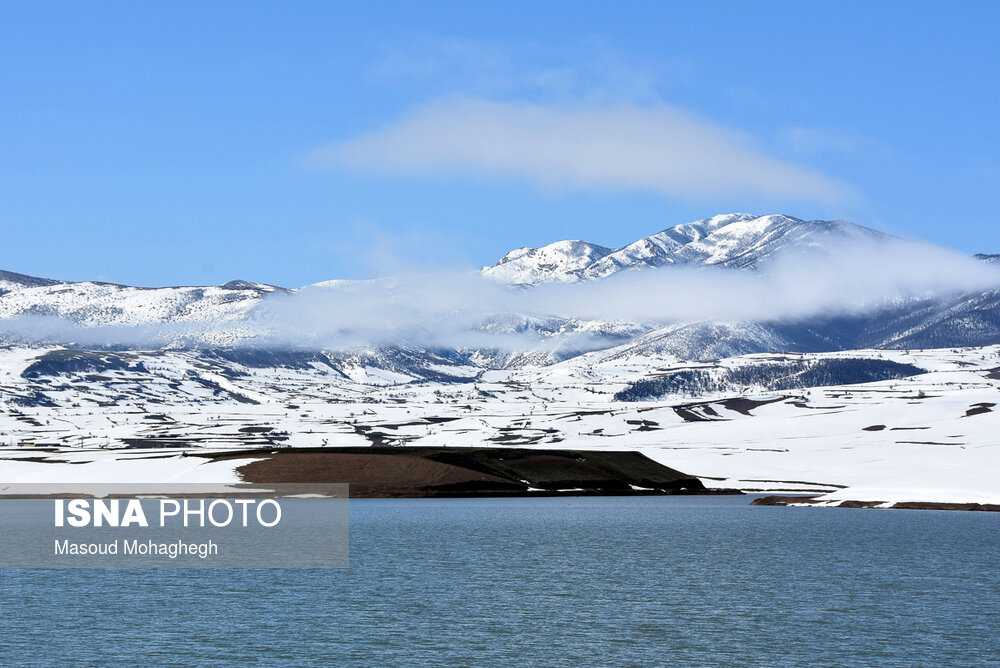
{"x":231,"y":314}
{"x":102,"y":304}
{"x":736,"y":240}
{"x":967,"y":320}
{"x":13,"y":281}
{"x":560,"y":261}
{"x":851,"y":404}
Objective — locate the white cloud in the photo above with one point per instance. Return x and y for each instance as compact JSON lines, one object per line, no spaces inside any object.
{"x":463,"y":308}
{"x":659,"y":149}
{"x":449,"y":308}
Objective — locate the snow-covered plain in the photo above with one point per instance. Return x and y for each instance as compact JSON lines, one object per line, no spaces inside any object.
{"x":933,"y":437}
{"x":108,"y":382}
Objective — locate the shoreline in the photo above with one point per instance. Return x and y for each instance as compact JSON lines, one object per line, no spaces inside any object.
{"x":814,"y":502}
{"x":443,"y":472}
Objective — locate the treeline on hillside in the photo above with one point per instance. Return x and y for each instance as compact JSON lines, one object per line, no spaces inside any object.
{"x":770,"y":376}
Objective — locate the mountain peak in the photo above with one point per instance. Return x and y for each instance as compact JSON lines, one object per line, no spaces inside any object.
{"x":24,"y":281}
{"x":559,"y":261}
{"x":737,"y":240}
{"x":240,"y":284}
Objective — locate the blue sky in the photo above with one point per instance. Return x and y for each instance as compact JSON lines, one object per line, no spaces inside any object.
{"x":297,"y":142}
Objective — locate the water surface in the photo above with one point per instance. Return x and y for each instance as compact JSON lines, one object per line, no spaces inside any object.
{"x":566,"y":582}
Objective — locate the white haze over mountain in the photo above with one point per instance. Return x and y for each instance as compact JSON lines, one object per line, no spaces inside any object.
{"x":450,"y":308}
{"x":55,"y":330}
{"x":793,"y":274}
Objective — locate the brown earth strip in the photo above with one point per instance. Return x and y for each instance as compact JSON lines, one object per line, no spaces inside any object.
{"x":902,"y":505}
{"x":800,"y":482}
{"x":744,"y":405}
{"x":926,"y":443}
{"x":688,"y":415}
{"x":371,"y":475}
{"x":422,"y":472}
{"x":979,"y":409}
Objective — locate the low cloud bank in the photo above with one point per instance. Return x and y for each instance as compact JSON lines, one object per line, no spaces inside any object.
{"x":58,"y":331}
{"x":464,"y":309}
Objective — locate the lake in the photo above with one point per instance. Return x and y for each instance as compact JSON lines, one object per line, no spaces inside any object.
{"x":553,"y":581}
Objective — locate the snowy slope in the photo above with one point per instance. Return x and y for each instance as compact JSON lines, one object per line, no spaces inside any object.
{"x":926,"y":437}
{"x":102,"y":304}
{"x":10,"y":280}
{"x":929,"y":434}
{"x":737,"y":240}
{"x":36,"y":310}
{"x":561,"y":261}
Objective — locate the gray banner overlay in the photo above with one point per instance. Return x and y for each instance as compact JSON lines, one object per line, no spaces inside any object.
{"x":174,"y":526}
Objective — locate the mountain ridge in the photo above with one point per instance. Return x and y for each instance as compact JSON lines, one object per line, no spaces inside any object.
{"x":736,"y":241}
{"x":184,"y":316}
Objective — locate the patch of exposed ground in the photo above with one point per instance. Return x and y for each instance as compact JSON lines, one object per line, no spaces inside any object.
{"x":979,"y":409}
{"x":423,"y":472}
{"x":901,"y":505}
